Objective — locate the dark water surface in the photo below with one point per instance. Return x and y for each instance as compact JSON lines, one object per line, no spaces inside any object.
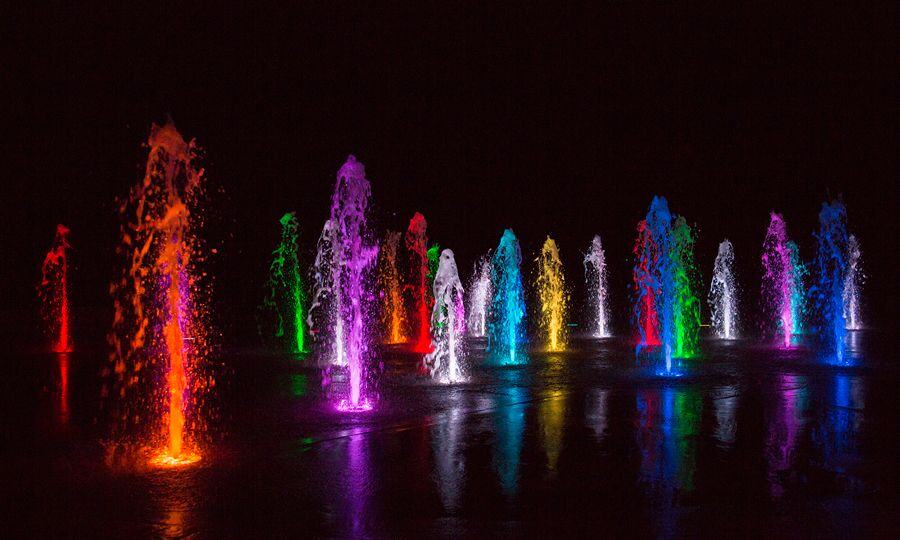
{"x":749,"y":441}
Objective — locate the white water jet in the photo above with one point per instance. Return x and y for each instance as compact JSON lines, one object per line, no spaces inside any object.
{"x":326,"y":298}
{"x":448,"y":321}
{"x":480,"y":297}
{"x":852,"y":284}
{"x":723,"y":297}
{"x":598,"y":293}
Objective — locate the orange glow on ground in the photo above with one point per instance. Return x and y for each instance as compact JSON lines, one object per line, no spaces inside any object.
{"x":166,"y":460}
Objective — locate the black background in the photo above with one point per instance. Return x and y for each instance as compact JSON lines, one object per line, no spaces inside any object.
{"x":549,"y":120}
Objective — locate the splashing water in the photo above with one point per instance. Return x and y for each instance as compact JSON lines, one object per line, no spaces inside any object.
{"x":723,"y":294}
{"x":158,"y":313}
{"x":505,"y":325}
{"x":666,"y":310}
{"x":447,"y":322}
{"x":416,"y":242}
{"x":480,"y":297}
{"x":654,"y":283}
{"x":393,"y":316}
{"x":343,"y":290}
{"x":778,"y":279}
{"x":852,"y":285}
{"x":687,"y":305}
{"x":285,"y":296}
{"x":551,"y":286}
{"x":831,"y":271}
{"x":54,"y":291}
{"x":798,"y":289}
{"x":598,"y":292}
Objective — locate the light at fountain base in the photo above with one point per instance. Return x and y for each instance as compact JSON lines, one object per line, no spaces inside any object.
{"x":346,"y":406}
{"x":166,"y":460}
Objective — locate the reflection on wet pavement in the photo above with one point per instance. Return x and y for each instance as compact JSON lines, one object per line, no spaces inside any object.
{"x":748,"y":441}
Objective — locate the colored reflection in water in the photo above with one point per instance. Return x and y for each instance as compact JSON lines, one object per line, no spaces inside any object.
{"x":509,"y":425}
{"x":299,"y":384}
{"x":596,"y":411}
{"x":836,"y":433}
{"x":358,"y":480}
{"x":668,"y":424}
{"x":551,"y":416}
{"x":449,"y":462}
{"x":725,"y":402}
{"x":785,"y":427}
{"x":62,"y":404}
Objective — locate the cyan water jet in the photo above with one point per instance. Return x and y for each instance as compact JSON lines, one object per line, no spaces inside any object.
{"x":507,"y":314}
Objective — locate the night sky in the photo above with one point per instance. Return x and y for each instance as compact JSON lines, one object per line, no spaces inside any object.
{"x":547,"y":120}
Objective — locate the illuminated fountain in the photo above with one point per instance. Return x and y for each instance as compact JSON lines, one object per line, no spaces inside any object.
{"x":507,"y":313}
{"x":598,"y":291}
{"x":480,"y":293}
{"x":54,"y":292}
{"x":666,"y":311}
{"x":393,"y":316}
{"x":343,"y":292}
{"x":778,"y":279}
{"x":448,"y":323}
{"x":723,"y":300}
{"x":551,"y":288}
{"x":158,"y":335}
{"x":687,"y":305}
{"x":285,"y":297}
{"x":831,"y":267}
{"x":416,"y":245}
{"x":798,"y":289}
{"x":852,"y":285}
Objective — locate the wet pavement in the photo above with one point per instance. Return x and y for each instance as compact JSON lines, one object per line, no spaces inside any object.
{"x":749,"y":440}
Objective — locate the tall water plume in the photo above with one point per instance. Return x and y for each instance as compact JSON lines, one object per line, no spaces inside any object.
{"x":448,"y":323}
{"x":551,"y":286}
{"x":595,"y":274}
{"x":285,"y":299}
{"x":416,"y":246}
{"x":505,"y":325}
{"x":723,"y":294}
{"x":158,"y":335}
{"x":344,"y":298}
{"x":831,"y":268}
{"x":393,"y":315}
{"x":480,"y":293}
{"x":54,"y":291}
{"x":852,"y":284}
{"x":778,"y":280}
